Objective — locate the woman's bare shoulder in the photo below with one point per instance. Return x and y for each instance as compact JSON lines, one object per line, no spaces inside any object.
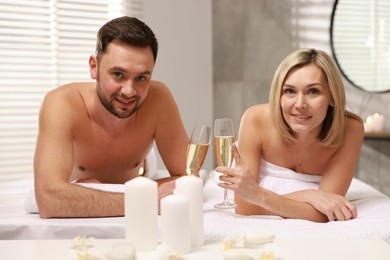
{"x":255,"y":124}
{"x":354,"y":127}
{"x":257,"y":114}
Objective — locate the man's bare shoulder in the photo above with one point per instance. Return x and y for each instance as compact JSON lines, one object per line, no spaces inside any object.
{"x":70,"y":92}
{"x":71,"y":89}
{"x":158,"y":88}
{"x":159,"y":95}
{"x":68,"y":98}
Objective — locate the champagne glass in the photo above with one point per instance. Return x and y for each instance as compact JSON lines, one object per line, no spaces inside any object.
{"x":197,"y":149}
{"x":223,"y":140}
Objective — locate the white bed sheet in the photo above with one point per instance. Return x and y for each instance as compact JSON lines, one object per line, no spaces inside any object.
{"x":16,"y":223}
{"x":373,"y":221}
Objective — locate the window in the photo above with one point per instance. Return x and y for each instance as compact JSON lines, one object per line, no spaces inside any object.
{"x":43,"y":44}
{"x":361,"y":43}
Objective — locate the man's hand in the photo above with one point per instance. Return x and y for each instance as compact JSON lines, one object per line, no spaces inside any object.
{"x":166,"y":189}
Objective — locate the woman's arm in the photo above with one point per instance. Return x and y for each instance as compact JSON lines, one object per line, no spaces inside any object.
{"x":250,"y":146}
{"x":329,"y":198}
{"x":255,"y":200}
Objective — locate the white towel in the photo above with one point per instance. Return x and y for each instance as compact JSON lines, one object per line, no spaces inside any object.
{"x":278,"y":179}
{"x":283,"y":180}
{"x":371,"y":222}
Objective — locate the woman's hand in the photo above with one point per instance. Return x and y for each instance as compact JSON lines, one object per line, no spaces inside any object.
{"x":334,"y":206}
{"x":239,"y":179}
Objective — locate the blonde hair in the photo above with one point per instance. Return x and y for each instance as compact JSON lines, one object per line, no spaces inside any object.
{"x":333,"y":128}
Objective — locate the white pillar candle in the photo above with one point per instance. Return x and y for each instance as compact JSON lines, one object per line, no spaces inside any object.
{"x":374,"y":123}
{"x":141,"y":213}
{"x":175,"y":223}
{"x":378,"y":121}
{"x":192,"y":188}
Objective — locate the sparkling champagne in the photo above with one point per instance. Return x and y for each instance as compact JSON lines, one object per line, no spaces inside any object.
{"x":223,"y":150}
{"x":196,"y":154}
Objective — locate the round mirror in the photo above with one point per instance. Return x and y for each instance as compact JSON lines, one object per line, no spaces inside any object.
{"x":360,"y":42}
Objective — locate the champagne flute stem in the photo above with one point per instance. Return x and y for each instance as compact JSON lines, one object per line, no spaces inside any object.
{"x":225,"y":199}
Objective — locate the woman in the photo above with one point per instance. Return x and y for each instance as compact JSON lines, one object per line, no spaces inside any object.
{"x":302,"y":147}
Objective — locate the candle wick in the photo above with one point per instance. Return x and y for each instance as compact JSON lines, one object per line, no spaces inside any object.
{"x":141,"y":171}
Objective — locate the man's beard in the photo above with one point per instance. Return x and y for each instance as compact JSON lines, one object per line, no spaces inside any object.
{"x":108,"y":104}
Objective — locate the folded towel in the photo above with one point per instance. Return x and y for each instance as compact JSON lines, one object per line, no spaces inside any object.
{"x":283,"y":180}
{"x":278,"y":179}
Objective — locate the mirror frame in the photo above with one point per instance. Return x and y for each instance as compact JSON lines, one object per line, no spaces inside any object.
{"x":337,"y":61}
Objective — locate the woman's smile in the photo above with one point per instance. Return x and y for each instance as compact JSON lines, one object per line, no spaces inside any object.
{"x":305,"y":98}
{"x":301,"y":117}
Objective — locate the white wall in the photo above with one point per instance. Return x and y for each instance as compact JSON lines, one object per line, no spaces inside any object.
{"x":184,"y":62}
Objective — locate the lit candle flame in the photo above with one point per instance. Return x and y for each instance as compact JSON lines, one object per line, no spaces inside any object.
{"x":141,"y":171}
{"x":188,"y":172}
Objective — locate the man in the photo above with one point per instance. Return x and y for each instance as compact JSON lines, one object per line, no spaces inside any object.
{"x":102,"y":131}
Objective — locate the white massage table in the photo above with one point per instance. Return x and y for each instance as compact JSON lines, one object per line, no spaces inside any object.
{"x":373,"y":221}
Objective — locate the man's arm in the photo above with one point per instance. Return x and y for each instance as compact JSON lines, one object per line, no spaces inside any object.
{"x":171,"y":138}
{"x":53,"y":164}
{"x":170,"y":135}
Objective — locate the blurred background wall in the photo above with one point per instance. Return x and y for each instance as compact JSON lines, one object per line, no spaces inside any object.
{"x":251,"y":37}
